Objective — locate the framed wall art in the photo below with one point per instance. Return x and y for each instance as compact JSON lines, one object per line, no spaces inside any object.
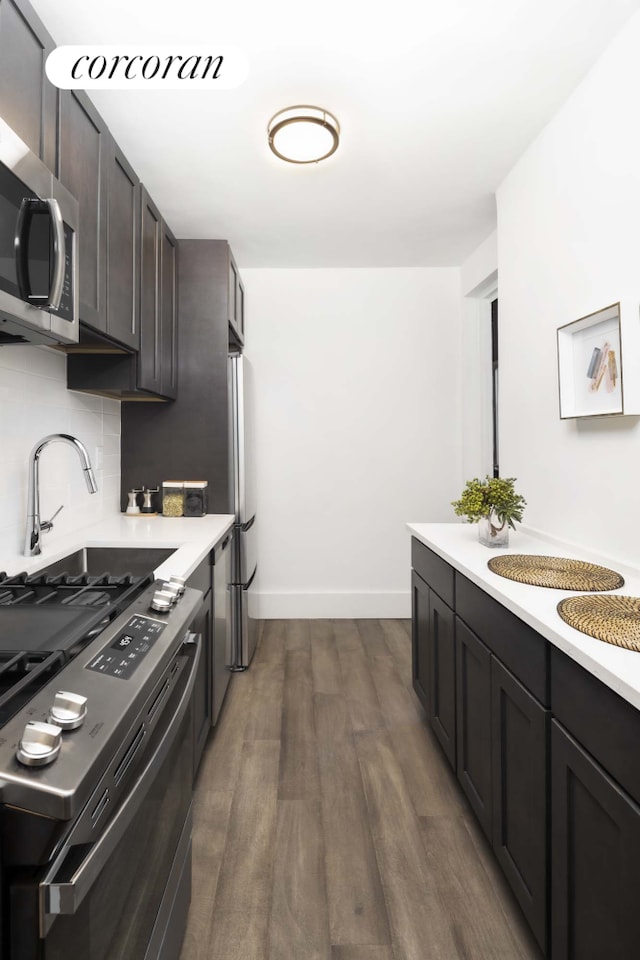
{"x":591,"y":372}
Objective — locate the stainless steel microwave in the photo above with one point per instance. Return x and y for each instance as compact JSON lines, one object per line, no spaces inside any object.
{"x":38,"y":249}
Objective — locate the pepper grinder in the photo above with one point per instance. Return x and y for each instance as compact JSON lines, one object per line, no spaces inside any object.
{"x":147,"y":507}
{"x":132,"y":507}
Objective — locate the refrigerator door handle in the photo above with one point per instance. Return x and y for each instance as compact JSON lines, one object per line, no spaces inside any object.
{"x":250,"y":580}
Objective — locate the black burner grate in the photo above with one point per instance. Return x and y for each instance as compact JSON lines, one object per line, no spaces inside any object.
{"x":22,"y":673}
{"x":82,"y":590}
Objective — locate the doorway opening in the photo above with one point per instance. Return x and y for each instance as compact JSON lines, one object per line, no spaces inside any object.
{"x":494,"y":387}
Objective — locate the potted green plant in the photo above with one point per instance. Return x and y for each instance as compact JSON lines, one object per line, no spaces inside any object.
{"x":494,"y":504}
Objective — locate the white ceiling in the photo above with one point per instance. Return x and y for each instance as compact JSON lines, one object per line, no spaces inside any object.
{"x":436,"y":100}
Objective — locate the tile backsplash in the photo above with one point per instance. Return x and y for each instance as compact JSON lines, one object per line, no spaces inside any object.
{"x":34,"y":401}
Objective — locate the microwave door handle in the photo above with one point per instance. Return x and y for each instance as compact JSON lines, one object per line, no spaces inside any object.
{"x":59,"y":254}
{"x":28,"y":207}
{"x":21,"y":247}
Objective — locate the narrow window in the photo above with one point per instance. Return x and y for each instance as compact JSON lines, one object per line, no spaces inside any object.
{"x":494,"y":384}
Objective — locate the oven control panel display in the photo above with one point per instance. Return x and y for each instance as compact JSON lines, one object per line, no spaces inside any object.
{"x":129,"y":648}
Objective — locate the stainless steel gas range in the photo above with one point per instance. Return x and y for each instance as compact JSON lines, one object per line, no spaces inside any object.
{"x":96,"y":761}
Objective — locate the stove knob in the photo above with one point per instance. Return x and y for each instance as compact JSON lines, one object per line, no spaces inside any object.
{"x":177,"y":583}
{"x":68,"y":710}
{"x":40,"y":744}
{"x":172,"y":589}
{"x":161,"y":602}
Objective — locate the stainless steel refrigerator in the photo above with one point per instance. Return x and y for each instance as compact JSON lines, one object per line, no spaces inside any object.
{"x":244,"y":625}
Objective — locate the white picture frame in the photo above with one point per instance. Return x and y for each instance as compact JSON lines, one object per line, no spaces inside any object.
{"x":591,"y":372}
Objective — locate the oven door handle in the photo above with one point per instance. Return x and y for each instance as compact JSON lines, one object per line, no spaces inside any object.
{"x":65,"y":896}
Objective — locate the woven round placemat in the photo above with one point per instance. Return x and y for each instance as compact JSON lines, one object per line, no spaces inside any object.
{"x":614,"y":619}
{"x":559,"y":573}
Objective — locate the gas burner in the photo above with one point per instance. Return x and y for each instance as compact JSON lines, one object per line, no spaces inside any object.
{"x":46,"y":620}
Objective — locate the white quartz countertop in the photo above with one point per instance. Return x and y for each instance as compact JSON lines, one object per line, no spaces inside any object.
{"x":457,"y":543}
{"x":192,"y":538}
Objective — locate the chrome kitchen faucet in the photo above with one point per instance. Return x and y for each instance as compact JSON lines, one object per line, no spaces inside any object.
{"x":35,"y":527}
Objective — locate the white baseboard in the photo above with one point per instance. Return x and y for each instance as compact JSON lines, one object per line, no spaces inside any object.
{"x":331,"y":606}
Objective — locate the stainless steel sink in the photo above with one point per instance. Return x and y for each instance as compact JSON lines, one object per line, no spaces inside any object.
{"x":117,"y":561}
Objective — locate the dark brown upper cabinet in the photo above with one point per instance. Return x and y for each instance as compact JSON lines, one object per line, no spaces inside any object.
{"x":158,"y":360}
{"x":123,"y":238}
{"x":168,"y":313}
{"x":28,"y":101}
{"x":143,"y":305}
{"x":94,"y":169}
{"x":83,"y":159}
{"x":149,"y":369}
{"x":236,"y":301}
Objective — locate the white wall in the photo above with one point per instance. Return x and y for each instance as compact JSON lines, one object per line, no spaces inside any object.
{"x":568,"y":244}
{"x":358,"y":431}
{"x":34,"y":402}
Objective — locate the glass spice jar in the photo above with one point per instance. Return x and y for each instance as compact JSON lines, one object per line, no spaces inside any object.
{"x":172,"y":498}
{"x":195,"y":498}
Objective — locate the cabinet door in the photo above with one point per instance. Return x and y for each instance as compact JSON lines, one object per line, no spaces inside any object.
{"x":595,"y":857}
{"x":473,"y":722}
{"x":420,"y":638}
{"x":233,"y":289}
{"x":123,"y":250}
{"x":149,"y":362}
{"x":222,"y":651}
{"x":83,"y":160}
{"x":442,"y":675}
{"x":240,"y":308}
{"x":236,"y":300}
{"x":169,"y":314}
{"x":28,"y":101}
{"x":202,"y":688}
{"x":520,"y":815}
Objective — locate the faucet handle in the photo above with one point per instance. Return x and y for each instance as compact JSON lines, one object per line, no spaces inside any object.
{"x":48,"y":524}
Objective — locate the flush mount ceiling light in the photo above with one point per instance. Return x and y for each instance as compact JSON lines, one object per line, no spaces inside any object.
{"x":303,"y":134}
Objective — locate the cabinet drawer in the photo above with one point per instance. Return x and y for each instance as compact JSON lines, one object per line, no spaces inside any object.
{"x":433,"y":569}
{"x":523,"y":651}
{"x":603,"y":722}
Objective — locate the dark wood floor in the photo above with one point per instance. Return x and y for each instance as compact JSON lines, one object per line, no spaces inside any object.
{"x":328,"y":825}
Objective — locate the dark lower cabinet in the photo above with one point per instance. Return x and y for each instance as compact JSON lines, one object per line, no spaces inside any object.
{"x":519,"y":738}
{"x":492,"y":728}
{"x":595,"y":858}
{"x":523,"y":725}
{"x":420,"y":638}
{"x":202,"y":706}
{"x":473,"y":722}
{"x":442,"y":675}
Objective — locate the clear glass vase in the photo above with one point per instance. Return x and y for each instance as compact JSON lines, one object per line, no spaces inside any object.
{"x":492,"y":533}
